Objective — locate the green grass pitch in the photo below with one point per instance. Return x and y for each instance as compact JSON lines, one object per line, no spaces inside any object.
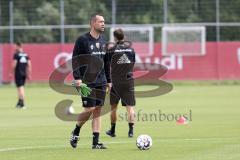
{"x":213,"y":134}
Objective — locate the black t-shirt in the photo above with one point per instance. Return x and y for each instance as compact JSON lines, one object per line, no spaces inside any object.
{"x":122,"y":60}
{"x":88,"y":56}
{"x":22,"y":63}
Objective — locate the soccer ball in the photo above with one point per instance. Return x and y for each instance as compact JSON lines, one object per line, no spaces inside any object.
{"x":70,"y":110}
{"x":144,"y":142}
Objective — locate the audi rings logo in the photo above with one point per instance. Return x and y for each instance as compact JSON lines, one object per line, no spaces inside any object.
{"x":60,"y":59}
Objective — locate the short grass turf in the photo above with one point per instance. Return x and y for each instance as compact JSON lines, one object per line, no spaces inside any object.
{"x":213,"y":132}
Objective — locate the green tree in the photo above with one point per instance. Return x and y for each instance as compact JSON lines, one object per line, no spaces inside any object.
{"x":47,"y":12}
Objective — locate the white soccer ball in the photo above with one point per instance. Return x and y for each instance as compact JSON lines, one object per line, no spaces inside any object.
{"x":70,"y":110}
{"x":144,"y":142}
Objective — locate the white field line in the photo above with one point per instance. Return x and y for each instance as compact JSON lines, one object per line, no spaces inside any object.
{"x":53,"y":146}
{"x":122,"y":142}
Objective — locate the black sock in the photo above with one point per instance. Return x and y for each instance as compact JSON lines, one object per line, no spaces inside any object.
{"x":95,"y":138}
{"x":21,"y":102}
{"x":76,"y":131}
{"x":130,"y":127}
{"x":113,"y":125}
{"x":18,"y":103}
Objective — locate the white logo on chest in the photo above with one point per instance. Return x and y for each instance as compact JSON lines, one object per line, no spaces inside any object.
{"x":123,"y":59}
{"x":91,"y":47}
{"x":23,"y":60}
{"x":98,"y":45}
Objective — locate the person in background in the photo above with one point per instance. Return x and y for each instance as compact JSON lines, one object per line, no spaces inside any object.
{"x":21,"y":69}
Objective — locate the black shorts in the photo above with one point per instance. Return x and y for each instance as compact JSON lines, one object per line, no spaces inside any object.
{"x":96,"y":98}
{"x":123,"y":91}
{"x":20,"y":80}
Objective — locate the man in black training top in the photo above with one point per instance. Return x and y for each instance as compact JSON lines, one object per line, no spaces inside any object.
{"x":21,"y":67}
{"x":88,"y":50}
{"x":122,"y":58}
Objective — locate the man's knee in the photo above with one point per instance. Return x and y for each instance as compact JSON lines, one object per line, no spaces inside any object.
{"x":89,"y":109}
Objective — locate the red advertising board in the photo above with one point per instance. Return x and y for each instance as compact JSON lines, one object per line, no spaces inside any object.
{"x":222,"y":61}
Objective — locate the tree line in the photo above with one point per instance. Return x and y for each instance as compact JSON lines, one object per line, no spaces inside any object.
{"x":47,"y":12}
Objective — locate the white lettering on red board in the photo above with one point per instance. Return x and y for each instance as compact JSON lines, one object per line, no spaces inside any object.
{"x":238,"y":55}
{"x":172,"y":62}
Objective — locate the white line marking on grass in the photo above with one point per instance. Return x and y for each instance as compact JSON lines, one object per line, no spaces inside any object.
{"x":212,"y":139}
{"x":52,"y":146}
{"x":122,"y":142}
{"x":29,"y":148}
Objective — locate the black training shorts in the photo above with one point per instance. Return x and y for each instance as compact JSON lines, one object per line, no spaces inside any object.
{"x":96,"y":98}
{"x":124,"y":91}
{"x":20,"y":80}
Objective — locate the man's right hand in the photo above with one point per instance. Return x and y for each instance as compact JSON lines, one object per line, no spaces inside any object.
{"x":78,"y":82}
{"x":29,"y":76}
